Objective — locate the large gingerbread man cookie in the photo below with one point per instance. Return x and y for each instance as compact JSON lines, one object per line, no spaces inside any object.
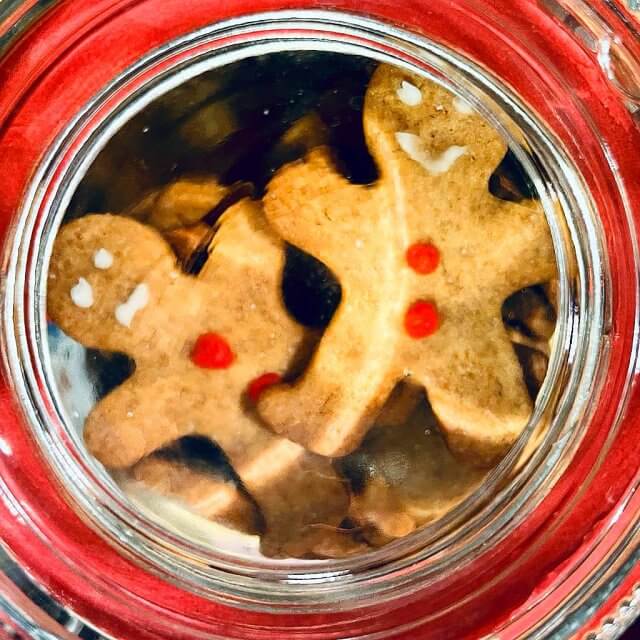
{"x":426,"y":257}
{"x":203,"y":347}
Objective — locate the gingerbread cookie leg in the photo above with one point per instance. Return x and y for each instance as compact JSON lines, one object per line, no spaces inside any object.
{"x":143,"y":415}
{"x":406,"y":477}
{"x":481,"y":408}
{"x":322,"y":410}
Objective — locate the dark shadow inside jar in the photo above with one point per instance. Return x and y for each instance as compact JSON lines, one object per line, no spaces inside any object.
{"x":175,"y":168}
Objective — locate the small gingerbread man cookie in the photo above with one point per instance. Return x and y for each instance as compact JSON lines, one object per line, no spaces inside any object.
{"x":204,"y":349}
{"x":426,"y":257}
{"x":409,"y":477}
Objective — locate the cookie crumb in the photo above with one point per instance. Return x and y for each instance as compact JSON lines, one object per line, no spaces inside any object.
{"x":102,"y":259}
{"x":409,"y":94}
{"x":137,"y":301}
{"x":414,"y":147}
{"x":462,"y":106}
{"x":82,"y":294}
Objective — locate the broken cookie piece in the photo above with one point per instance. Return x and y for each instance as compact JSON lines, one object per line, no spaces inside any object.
{"x":198,"y":345}
{"x":426,"y":257}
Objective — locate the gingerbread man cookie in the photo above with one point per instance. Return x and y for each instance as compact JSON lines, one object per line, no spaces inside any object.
{"x":409,"y":477}
{"x":204,"y":349}
{"x":426,"y":257}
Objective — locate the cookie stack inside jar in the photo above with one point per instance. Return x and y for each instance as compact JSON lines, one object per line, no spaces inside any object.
{"x":317,"y":307}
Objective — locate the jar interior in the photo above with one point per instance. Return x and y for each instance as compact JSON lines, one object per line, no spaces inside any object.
{"x":356,"y":417}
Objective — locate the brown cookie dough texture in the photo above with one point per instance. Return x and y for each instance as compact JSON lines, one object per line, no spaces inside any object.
{"x":237,"y":295}
{"x":435,"y":157}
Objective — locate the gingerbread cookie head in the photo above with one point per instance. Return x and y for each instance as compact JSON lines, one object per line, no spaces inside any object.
{"x":418,"y":121}
{"x":114,"y":284}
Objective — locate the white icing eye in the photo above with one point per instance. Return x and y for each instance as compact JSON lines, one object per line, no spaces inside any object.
{"x":102,"y":259}
{"x":462,"y":106}
{"x":413,"y":146}
{"x":137,"y":301}
{"x":82,"y":294}
{"x":409,"y":94}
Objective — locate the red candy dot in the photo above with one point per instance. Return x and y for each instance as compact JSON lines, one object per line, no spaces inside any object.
{"x":260,"y":384}
{"x":423,"y":257}
{"x":421,"y":319}
{"x":212,"y":351}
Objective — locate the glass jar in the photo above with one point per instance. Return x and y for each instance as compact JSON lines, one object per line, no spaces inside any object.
{"x":549,"y":551}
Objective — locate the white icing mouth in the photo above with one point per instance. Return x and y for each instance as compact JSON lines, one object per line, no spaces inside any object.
{"x":414,"y":147}
{"x":137,"y":301}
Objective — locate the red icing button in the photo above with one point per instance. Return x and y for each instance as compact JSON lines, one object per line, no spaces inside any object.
{"x":423,"y":257}
{"x":421,"y":319}
{"x":212,"y":351}
{"x":260,"y":384}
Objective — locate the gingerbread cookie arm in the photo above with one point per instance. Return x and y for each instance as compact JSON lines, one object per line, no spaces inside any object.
{"x":313,"y":207}
{"x":310,"y":205}
{"x":521,"y":247}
